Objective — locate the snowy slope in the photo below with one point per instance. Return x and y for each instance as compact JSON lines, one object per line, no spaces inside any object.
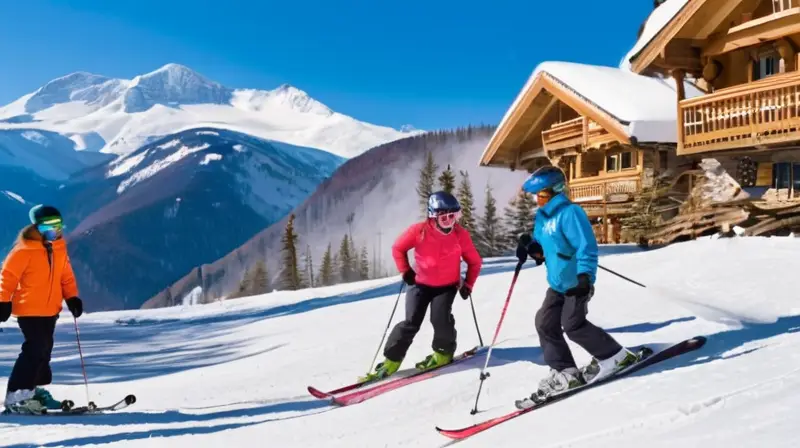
{"x":234,"y":373}
{"x":119,"y":115}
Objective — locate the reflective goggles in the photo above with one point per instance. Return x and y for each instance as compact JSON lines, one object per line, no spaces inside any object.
{"x":447,"y":220}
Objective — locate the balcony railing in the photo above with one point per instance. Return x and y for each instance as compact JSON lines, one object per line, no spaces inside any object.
{"x":758,"y":113}
{"x":580,"y":131}
{"x":605,"y":187}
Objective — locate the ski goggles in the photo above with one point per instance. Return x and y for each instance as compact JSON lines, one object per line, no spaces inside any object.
{"x":447,"y":220}
{"x":50,"y":229}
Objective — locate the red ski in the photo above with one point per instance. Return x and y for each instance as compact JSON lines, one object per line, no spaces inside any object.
{"x":671,"y":351}
{"x":383,"y":385}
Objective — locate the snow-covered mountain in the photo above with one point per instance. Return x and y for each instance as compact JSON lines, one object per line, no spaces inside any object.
{"x":142,"y":221}
{"x":235,"y":373}
{"x":119,"y":116}
{"x":379,"y":189}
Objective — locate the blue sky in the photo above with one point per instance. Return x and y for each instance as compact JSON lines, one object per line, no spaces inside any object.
{"x":433,"y":64}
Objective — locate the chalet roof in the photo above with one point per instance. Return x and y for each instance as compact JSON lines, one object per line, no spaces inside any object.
{"x":645,"y":107}
{"x":658,"y":19}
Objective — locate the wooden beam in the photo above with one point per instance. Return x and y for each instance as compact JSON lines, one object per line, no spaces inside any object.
{"x":653,"y":48}
{"x":716,"y":18}
{"x":540,"y":118}
{"x":530,"y":91}
{"x":581,"y":106}
{"x":756,"y":31}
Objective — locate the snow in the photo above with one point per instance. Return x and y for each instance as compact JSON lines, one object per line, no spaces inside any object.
{"x":14,"y":196}
{"x":122,"y":115}
{"x":658,"y":19}
{"x":646,"y":106}
{"x":210,"y":157}
{"x":234,"y":373}
{"x":155,"y":167}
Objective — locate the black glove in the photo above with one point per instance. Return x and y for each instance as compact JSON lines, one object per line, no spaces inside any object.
{"x":410,"y":277}
{"x":75,"y":306}
{"x":527,"y":246}
{"x":465,"y":291}
{"x":582,"y":289}
{"x":5,"y":311}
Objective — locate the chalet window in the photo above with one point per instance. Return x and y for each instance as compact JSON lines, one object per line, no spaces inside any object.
{"x":611,"y":163}
{"x":627,"y":160}
{"x":619,"y":161}
{"x":781,"y":175}
{"x":782,"y":5}
{"x":663,"y":160}
{"x":768,"y":64}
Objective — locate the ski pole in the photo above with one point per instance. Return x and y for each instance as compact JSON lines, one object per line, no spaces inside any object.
{"x":484,"y":373}
{"x":621,"y":276}
{"x":83,"y":366}
{"x":391,"y":316}
{"x":475,"y":318}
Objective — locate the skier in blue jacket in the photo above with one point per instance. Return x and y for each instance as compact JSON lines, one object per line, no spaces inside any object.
{"x":564,"y":241}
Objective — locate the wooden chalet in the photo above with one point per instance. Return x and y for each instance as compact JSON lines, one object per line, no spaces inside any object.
{"x":610,"y":130}
{"x":745,"y":54}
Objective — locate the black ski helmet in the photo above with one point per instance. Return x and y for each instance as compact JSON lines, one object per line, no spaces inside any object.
{"x":40,"y":214}
{"x":442,"y":202}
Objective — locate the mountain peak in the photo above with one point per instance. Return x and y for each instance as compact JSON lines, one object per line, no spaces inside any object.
{"x":296,"y":99}
{"x":173,"y":84}
{"x":81,"y":85}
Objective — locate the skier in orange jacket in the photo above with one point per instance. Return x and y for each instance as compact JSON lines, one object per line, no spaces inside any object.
{"x":36,"y":276}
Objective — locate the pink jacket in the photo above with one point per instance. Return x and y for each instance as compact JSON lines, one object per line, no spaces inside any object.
{"x":437,"y":256}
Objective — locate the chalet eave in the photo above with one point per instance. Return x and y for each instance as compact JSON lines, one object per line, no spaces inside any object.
{"x":524,"y":137}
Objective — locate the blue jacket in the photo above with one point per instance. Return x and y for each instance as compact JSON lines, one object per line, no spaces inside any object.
{"x":569,"y":244}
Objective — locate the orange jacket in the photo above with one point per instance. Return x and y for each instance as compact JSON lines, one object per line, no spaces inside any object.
{"x":35,"y":281}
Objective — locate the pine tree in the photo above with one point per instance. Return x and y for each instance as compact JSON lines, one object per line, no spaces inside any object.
{"x":345,"y":261}
{"x":326,"y":269}
{"x":355,"y":262}
{"x":245,"y":285}
{"x":260,"y":279}
{"x":363,"y":267}
{"x":427,"y":175}
{"x":490,"y":228}
{"x":648,"y":204}
{"x":519,"y":217}
{"x":309,"y":267}
{"x":447,"y":180}
{"x":467,"y":202}
{"x":290,"y":277}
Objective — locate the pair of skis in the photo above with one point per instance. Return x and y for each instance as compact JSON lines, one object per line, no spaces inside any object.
{"x":650,"y":358}
{"x":68,"y":408}
{"x":358,"y":392}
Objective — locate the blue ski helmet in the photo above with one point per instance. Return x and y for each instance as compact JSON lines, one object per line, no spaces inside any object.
{"x":442,"y":202}
{"x":546,"y":178}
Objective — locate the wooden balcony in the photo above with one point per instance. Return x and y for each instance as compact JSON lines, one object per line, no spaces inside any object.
{"x":610,"y":188}
{"x":579,"y":132}
{"x":759,"y":113}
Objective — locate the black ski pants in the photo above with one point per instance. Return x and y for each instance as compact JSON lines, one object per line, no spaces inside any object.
{"x":33,"y":364}
{"x":418,"y":298}
{"x":561,"y":314}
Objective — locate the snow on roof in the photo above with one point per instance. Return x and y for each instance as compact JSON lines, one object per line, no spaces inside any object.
{"x":645,"y":106}
{"x":658,"y":19}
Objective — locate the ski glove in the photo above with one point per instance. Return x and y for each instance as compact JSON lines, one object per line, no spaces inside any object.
{"x":410,"y":277}
{"x":527,"y":246}
{"x":464,"y":291}
{"x":75,"y":306}
{"x":5,"y":311}
{"x":582,"y":289}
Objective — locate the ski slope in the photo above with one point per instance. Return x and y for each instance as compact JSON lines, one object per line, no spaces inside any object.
{"x":235,"y":373}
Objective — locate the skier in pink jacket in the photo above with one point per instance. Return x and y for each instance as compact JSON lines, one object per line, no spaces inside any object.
{"x":439,"y":244}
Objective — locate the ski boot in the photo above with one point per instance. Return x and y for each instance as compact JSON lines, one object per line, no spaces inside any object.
{"x":382,"y":370}
{"x":554,"y":383}
{"x":44,"y":397}
{"x":434,"y":360}
{"x":23,"y":402}
{"x":599,"y":369}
